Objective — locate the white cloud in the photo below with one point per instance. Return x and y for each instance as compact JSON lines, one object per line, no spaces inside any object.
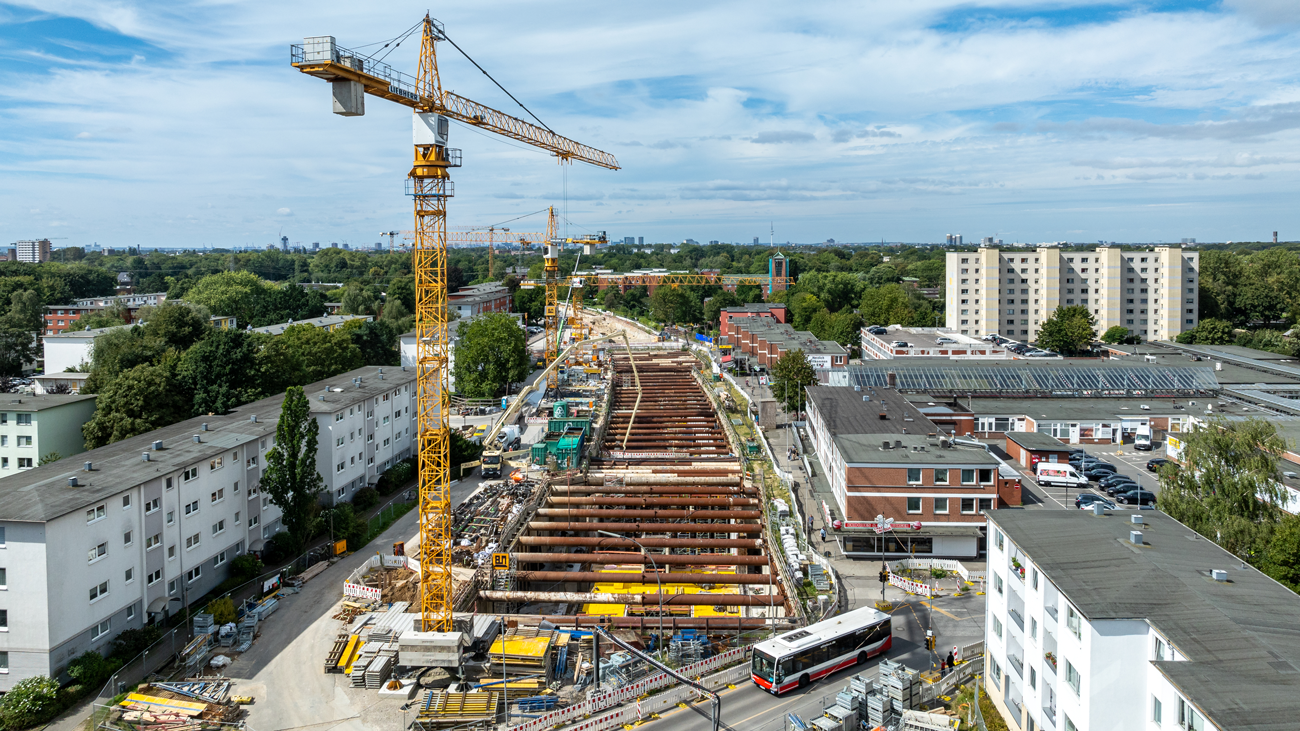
{"x":858,"y":120}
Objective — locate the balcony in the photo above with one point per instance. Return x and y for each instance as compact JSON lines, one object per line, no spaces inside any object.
{"x":1016,"y":569}
{"x":1049,"y":661}
{"x":1049,"y":716}
{"x":1015,"y":617}
{"x":1016,"y":663}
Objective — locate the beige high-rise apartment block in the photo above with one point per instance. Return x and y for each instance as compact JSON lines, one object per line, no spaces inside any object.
{"x":1151,"y":292}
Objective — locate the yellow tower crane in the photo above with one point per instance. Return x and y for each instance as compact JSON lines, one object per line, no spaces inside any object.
{"x":352,"y":75}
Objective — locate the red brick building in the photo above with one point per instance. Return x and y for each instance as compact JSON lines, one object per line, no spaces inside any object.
{"x":475,"y":300}
{"x":777,"y":312}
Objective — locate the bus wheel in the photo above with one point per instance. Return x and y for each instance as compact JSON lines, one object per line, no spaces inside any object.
{"x":862,"y":657}
{"x":804,"y":680}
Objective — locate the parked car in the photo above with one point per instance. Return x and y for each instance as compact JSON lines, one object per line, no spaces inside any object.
{"x":1116,"y":488}
{"x":1115,"y":479}
{"x":898,"y":344}
{"x":1077,"y":451}
{"x":942,"y":339}
{"x":877,"y":330}
{"x":1154,"y":465}
{"x":1085,"y":500}
{"x":1136,"y":497}
{"x":1098,"y":471}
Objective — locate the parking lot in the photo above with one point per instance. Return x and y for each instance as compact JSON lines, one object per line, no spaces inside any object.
{"x":1127,"y":461}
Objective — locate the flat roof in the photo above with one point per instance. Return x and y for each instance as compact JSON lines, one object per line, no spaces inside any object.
{"x":1074,"y":378}
{"x":1084,"y":409}
{"x":42,"y":493}
{"x":906,"y":449}
{"x":846,"y":411}
{"x":756,"y":307}
{"x":928,"y":337}
{"x":1241,"y":637}
{"x":92,"y":333}
{"x":314,"y":321}
{"x":784,"y":334}
{"x":1038,"y":441}
{"x":24,"y":403}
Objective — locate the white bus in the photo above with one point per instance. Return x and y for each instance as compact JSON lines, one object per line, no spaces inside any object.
{"x":797,"y":658}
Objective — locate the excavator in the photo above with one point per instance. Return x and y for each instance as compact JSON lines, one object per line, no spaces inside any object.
{"x":493,"y":444}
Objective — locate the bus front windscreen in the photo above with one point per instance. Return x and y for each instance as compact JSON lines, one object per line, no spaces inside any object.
{"x":763,"y":666}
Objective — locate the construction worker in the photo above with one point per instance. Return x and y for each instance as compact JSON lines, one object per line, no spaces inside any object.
{"x":823,"y":535}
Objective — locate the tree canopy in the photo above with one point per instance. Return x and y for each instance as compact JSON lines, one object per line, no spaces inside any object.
{"x":1070,"y":329}
{"x":491,"y":353}
{"x":290,"y":479}
{"x":791,"y":374}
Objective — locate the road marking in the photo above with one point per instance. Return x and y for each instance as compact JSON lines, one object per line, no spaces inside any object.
{"x":948,"y":614}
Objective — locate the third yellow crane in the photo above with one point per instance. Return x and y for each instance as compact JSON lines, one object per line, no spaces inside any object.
{"x":353,"y":75}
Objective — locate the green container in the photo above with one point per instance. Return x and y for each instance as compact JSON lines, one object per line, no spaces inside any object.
{"x":561,"y":409}
{"x":538,"y":453}
{"x":751,"y":448}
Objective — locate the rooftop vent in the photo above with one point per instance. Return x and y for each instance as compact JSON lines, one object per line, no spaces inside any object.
{"x":1219,"y":575}
{"x":381,"y":376}
{"x":203,"y":426}
{"x":1135,"y":537}
{"x":898,"y":444}
{"x":88,"y":466}
{"x":1289,"y":475}
{"x":884,"y":444}
{"x":253,"y":418}
{"x":198,"y":439}
{"x":1137,"y":520}
{"x":381,"y":371}
{"x":157,"y":445}
{"x":1144,"y":407}
{"x":857,"y":388}
{"x":72,"y":482}
{"x":884,"y":416}
{"x":144,"y":456}
{"x":1098,"y":509}
{"x":322,"y":397}
{"x":403,"y":369}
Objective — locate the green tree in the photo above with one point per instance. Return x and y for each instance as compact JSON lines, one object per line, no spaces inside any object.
{"x":320,"y":353}
{"x":749,"y":294}
{"x":290,"y":479}
{"x":221,"y":371}
{"x":1227,"y":487}
{"x":836,"y":290}
{"x":1208,"y":332}
{"x":402,"y":289}
{"x":882,"y":275}
{"x":791,"y":374}
{"x":1115,"y":334}
{"x":1068,"y":330}
{"x":716,"y":304}
{"x":674,"y":305}
{"x":110,"y":317}
{"x":222,"y":610}
{"x":803,"y":308}
{"x":91,"y":669}
{"x":531,"y":302}
{"x":491,"y":352}
{"x":25,"y":311}
{"x":361,"y":300}
{"x":377,"y":341}
{"x":238,"y":294}
{"x":1281,"y":559}
{"x":462,"y":450}
{"x":176,"y":325}
{"x":887,"y":305}
{"x":30,"y":701}
{"x":138,"y":400}
{"x":48,"y":458}
{"x":17,"y":348}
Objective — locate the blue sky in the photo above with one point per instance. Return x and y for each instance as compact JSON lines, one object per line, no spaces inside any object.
{"x":182,"y":124}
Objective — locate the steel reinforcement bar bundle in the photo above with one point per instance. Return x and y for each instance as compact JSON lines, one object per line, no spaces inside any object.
{"x":679,"y":491}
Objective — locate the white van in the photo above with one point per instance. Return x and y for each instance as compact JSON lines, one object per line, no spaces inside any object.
{"x":1142,"y":441}
{"x":1060,"y":474}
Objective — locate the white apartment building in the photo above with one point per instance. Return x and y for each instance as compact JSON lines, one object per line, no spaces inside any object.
{"x":125,"y":534}
{"x":33,"y":250}
{"x":1152,"y":292}
{"x":32,"y":427}
{"x":1095,"y":623}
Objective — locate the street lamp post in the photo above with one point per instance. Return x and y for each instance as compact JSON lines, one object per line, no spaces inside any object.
{"x":658,"y":583}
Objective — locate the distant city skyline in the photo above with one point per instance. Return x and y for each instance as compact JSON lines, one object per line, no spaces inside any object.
{"x":182,"y":123}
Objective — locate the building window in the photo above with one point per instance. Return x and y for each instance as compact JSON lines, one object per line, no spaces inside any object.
{"x":171,"y":517}
{"x":995,"y":671}
{"x":100,"y":630}
{"x":1073,"y":622}
{"x":130,"y":575}
{"x":152,"y":541}
{"x":967,"y":477}
{"x":914,"y":505}
{"x":171,"y":586}
{"x":152,"y":506}
{"x":189,"y":474}
{"x":98,"y":591}
{"x":219,"y":495}
{"x":252,"y":521}
{"x":941,"y":476}
{"x":913,"y":475}
{"x":1072,"y":677}
{"x":1160,"y":649}
{"x":169,"y":483}
{"x":941,"y":506}
{"x":997,"y":627}
{"x":216,"y":464}
{"x":171,"y":552}
{"x":986,"y":504}
{"x":1157,"y":711}
{"x":4,"y":578}
{"x":126,"y":538}
{"x":968,"y":505}
{"x":221,"y":558}
{"x":193,"y":574}
{"x":24,"y":420}
{"x":340,"y":467}
{"x":154,"y":577}
{"x":192,"y":541}
{"x":997,"y":583}
{"x":126,"y":501}
{"x":218,"y":527}
{"x":1033,"y":573}
{"x":191,"y":508}
{"x":999,"y":540}
{"x":95,"y":514}
{"x":98,"y":552}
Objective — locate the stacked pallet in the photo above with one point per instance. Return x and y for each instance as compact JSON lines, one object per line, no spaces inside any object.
{"x":441,"y":709}
{"x":380,"y":668}
{"x":902,"y":685}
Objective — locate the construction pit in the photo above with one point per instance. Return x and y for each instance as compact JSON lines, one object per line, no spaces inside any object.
{"x":632,"y":513}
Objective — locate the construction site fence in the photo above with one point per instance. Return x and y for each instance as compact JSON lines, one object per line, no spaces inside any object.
{"x":946,"y":564}
{"x":642,"y":709}
{"x":602,"y":701}
{"x":154,"y":657}
{"x":102,"y":713}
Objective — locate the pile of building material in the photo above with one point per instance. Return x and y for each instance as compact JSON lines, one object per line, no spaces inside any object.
{"x":525,"y":653}
{"x":923,"y":721}
{"x":442,"y":709}
{"x":188,"y":705}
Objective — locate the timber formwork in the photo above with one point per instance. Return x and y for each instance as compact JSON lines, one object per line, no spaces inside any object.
{"x":677,"y":490}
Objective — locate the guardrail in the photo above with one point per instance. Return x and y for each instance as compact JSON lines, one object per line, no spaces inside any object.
{"x":602,"y":701}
